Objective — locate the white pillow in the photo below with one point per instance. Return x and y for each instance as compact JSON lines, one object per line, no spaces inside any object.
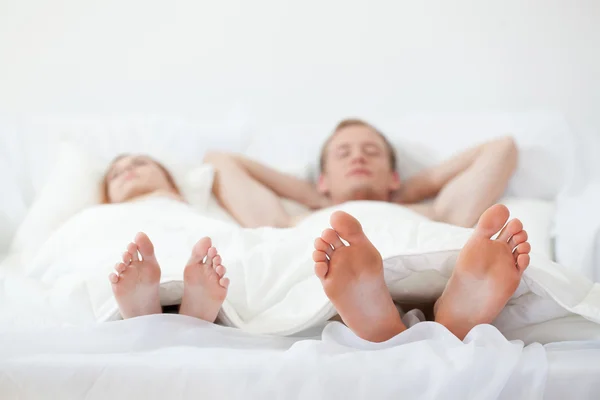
{"x":196,"y":185}
{"x":74,"y":184}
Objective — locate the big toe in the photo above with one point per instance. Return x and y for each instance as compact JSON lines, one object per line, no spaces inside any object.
{"x":492,"y":220}
{"x":145,"y":246}
{"x":347,"y":227}
{"x":200,"y":250}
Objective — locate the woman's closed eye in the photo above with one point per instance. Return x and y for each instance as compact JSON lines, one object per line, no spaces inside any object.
{"x":115,"y":174}
{"x":372,"y":150}
{"x":138,"y":162}
{"x":342,"y":152}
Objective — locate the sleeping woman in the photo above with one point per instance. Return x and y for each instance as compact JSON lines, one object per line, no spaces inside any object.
{"x":135,"y":282}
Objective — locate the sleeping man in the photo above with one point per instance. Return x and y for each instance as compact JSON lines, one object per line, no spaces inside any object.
{"x":358,"y":163}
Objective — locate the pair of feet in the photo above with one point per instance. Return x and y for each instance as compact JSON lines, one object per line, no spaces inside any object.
{"x":486,"y":275}
{"x":136,"y":281}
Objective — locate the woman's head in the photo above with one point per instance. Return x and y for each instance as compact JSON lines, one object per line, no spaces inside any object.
{"x":131,"y":175}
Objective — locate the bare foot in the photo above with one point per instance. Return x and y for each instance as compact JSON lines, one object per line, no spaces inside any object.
{"x":486,"y":275}
{"x":352,"y":277}
{"x":204,"y":285}
{"x":135,"y":285}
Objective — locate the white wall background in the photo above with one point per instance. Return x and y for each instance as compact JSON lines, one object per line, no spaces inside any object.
{"x":287,"y":62}
{"x":280,"y":60}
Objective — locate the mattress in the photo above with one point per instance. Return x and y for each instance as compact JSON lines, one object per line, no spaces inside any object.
{"x":177,"y":357}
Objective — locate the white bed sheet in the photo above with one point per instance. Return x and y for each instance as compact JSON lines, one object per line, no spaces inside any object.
{"x":169,"y":356}
{"x":177,"y":357}
{"x":274,"y":289}
{"x":578,"y":229}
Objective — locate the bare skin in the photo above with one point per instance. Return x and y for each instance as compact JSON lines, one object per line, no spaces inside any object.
{"x":136,"y":281}
{"x":352,"y":277}
{"x":133,"y":176}
{"x":488,"y":167}
{"x":486,"y":275}
{"x":357,"y":167}
{"x":204,"y":283}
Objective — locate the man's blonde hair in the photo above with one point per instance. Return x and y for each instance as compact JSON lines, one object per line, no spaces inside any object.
{"x":357,"y":122}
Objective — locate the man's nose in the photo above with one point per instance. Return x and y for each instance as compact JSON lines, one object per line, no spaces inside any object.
{"x":358,"y":158}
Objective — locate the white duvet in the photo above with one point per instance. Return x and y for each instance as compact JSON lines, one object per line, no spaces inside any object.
{"x":273,"y":289}
{"x":52,"y":297}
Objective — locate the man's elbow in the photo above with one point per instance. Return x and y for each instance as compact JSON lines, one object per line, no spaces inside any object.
{"x":508,"y":143}
{"x":216,"y":157}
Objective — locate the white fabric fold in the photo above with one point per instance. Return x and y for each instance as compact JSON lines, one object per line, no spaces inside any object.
{"x":273,"y":288}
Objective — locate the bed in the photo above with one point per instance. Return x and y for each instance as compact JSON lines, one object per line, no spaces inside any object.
{"x":167,"y":356}
{"x":544,"y":346}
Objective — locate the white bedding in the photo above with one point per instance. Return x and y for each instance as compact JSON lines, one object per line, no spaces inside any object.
{"x":177,"y":357}
{"x":50,"y":306}
{"x":273,"y":288}
{"x":578,"y":230}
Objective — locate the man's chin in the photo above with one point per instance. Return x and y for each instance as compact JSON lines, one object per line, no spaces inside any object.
{"x":364,"y":192}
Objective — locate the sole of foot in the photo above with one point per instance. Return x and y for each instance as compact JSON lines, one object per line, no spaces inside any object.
{"x":136,"y":279}
{"x":204,"y":282}
{"x":487,"y":273}
{"x":352,"y":277}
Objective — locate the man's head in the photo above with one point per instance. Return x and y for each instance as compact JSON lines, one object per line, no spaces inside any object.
{"x":358,"y":163}
{"x":130,"y":176}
